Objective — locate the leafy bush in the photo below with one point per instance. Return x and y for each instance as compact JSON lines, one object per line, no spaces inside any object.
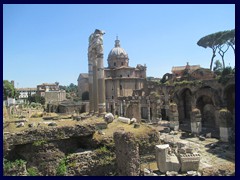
{"x":62,"y":168}
{"x":102,"y":150}
{"x":106,"y":156}
{"x":9,"y":165}
{"x":32,"y":171}
{"x":38,"y":143}
{"x":226,"y":75}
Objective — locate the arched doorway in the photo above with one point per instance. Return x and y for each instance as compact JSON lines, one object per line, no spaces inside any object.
{"x":185,"y":108}
{"x":85,"y":95}
{"x":209,"y":125}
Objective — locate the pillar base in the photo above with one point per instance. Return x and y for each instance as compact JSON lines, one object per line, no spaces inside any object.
{"x":225,"y":134}
{"x":174,"y":125}
{"x":196,"y":127}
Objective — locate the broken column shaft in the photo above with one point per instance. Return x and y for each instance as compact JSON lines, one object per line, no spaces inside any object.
{"x":127,"y":154}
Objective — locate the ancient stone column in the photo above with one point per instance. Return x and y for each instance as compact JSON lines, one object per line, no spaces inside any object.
{"x":124,"y":108}
{"x":173,"y":116}
{"x":90,"y":81}
{"x":225,"y":118}
{"x":121,"y":109}
{"x":149,"y":113}
{"x":95,"y":87}
{"x":101,"y":85}
{"x":196,"y":121}
{"x":114,"y":108}
{"x":96,"y":68}
{"x":127,"y":154}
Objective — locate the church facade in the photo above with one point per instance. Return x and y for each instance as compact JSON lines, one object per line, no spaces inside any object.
{"x":120,"y":78}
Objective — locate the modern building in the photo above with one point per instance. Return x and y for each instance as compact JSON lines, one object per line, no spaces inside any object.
{"x":25,"y":92}
{"x":42,"y":88}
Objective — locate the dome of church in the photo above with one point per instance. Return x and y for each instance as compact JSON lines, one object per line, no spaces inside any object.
{"x":117,"y":51}
{"x":117,"y":57}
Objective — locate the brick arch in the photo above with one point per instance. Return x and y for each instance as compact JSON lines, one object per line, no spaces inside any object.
{"x":208,"y":111}
{"x":183,"y":99}
{"x":209,"y":92}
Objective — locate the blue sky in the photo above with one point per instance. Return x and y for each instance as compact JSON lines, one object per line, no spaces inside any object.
{"x":48,"y":43}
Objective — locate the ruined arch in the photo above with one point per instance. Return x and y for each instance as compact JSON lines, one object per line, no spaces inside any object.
{"x":207,"y":100}
{"x":208,"y":111}
{"x":210,"y":92}
{"x":184,"y":105}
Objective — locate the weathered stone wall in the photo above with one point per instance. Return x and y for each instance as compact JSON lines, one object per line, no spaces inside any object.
{"x":133,"y":111}
{"x":55,"y":96}
{"x":44,"y":148}
{"x":82,"y":85}
{"x":127,"y":154}
{"x":49,"y":134}
{"x":91,"y":163}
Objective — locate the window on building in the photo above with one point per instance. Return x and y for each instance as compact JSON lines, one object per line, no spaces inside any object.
{"x":120,"y":87}
{"x":120,"y":75}
{"x":128,"y":75}
{"x":112,"y":97}
{"x":114,"y":64}
{"x":122,"y":63}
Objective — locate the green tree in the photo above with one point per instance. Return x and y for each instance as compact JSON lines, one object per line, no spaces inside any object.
{"x":9,"y":90}
{"x":226,"y":74}
{"x":219,"y":40}
{"x":217,"y":69}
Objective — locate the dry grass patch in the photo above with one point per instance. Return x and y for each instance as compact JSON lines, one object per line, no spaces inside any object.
{"x":140,"y":132}
{"x":10,"y":126}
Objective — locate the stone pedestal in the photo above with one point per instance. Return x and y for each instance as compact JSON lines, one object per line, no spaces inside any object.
{"x":127,"y":154}
{"x":189,"y":162}
{"x":225,"y":119}
{"x":166,"y":161}
{"x":196,"y":121}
